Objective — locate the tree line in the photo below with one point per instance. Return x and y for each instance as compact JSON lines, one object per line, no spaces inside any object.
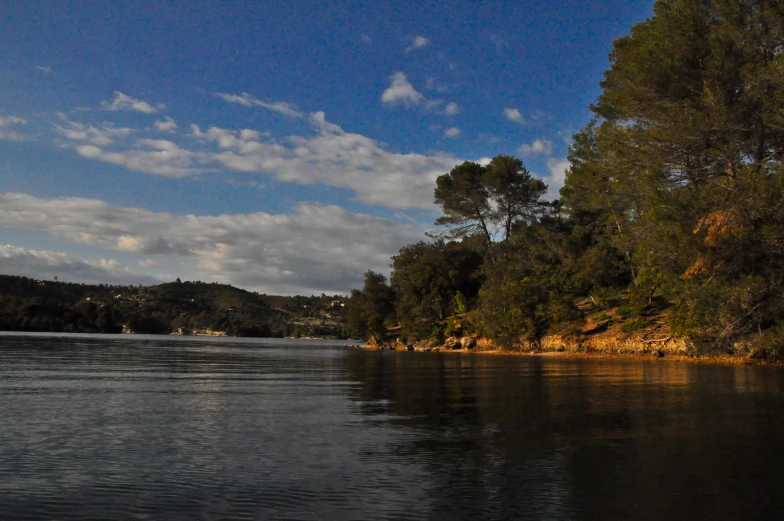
{"x":51,"y":306}
{"x":672,"y":203}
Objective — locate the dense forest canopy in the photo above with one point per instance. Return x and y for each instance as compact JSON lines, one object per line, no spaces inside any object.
{"x":672,"y":203}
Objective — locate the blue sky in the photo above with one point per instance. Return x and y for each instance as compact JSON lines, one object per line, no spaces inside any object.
{"x":284,"y":147}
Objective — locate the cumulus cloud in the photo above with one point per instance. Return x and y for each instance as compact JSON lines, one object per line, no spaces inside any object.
{"x":400,"y":91}
{"x":97,"y":136}
{"x":165,"y":125}
{"x":123,"y":102}
{"x":317,"y":248}
{"x":418,"y":43}
{"x":539,"y":146}
{"x":514,"y":115}
{"x":247,"y":100}
{"x":452,"y":132}
{"x":42,"y":264}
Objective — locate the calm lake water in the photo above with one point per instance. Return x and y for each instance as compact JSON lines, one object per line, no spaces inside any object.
{"x":134,"y":427}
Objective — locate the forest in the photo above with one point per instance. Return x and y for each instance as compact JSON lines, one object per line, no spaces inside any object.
{"x":672,"y":206}
{"x":188,"y":308}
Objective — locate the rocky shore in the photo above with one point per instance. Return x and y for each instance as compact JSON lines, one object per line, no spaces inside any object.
{"x":598,"y":341}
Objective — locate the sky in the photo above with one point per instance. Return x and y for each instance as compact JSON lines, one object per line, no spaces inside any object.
{"x":282,"y":147}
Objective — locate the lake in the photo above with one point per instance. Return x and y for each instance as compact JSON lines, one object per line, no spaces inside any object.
{"x":145,"y":427}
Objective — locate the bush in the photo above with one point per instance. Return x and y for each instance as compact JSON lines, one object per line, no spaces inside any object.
{"x":454,"y":327}
{"x":634,"y":325}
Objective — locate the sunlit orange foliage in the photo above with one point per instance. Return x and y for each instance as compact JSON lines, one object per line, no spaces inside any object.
{"x":719,"y":225}
{"x":695,"y":269}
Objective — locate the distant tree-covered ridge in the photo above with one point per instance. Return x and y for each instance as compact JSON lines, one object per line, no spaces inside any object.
{"x":178,"y":307}
{"x":671,"y":209}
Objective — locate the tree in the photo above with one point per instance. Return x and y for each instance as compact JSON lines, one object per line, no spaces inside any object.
{"x":686,"y":160}
{"x":369,"y":311}
{"x":486,"y":200}
{"x":515,"y":193}
{"x":463,"y":197}
{"x":426,"y":279}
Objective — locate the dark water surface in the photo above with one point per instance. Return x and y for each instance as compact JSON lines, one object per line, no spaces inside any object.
{"x":100,"y":427}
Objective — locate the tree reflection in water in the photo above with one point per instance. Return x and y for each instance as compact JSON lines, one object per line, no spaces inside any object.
{"x":535,"y":437}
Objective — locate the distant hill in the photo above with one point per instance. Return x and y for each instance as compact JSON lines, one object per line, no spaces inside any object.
{"x":190,"y":308}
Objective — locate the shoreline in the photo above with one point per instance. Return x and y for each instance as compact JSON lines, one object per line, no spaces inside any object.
{"x":699,"y":359}
{"x":606,"y":345}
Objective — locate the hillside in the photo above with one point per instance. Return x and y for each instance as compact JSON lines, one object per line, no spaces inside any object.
{"x":178,"y":308}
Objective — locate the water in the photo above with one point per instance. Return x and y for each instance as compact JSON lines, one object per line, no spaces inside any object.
{"x":109,"y":427}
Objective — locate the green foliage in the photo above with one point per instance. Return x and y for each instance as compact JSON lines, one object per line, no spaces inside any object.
{"x":370,"y":311}
{"x":634,"y":325}
{"x":512,"y":306}
{"x":769,"y":345}
{"x":461,"y":305}
{"x":514,"y":192}
{"x":464,"y":199}
{"x":432,"y":281}
{"x":454,"y":327}
{"x":484,"y":200}
{"x":672,"y":197}
{"x":682,"y":172}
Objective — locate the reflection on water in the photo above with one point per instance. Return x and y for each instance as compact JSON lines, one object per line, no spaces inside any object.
{"x":160,"y":428}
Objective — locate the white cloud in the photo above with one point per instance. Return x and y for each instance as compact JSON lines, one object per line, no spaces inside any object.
{"x":514,"y":115}
{"x":152,"y":156}
{"x":165,"y":125}
{"x":452,"y":132}
{"x":336,"y":158}
{"x":42,"y":264}
{"x":7,"y":121}
{"x":418,"y":43}
{"x":435,"y":106}
{"x":317,"y":248}
{"x":451,"y":109}
{"x":555,"y":180}
{"x":330,"y":156}
{"x":123,"y":102}
{"x":97,"y":136}
{"x":401,"y":91}
{"x":247,"y":100}
{"x":366,"y":38}
{"x":46,"y":70}
{"x":539,"y":146}
{"x":7,"y":125}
